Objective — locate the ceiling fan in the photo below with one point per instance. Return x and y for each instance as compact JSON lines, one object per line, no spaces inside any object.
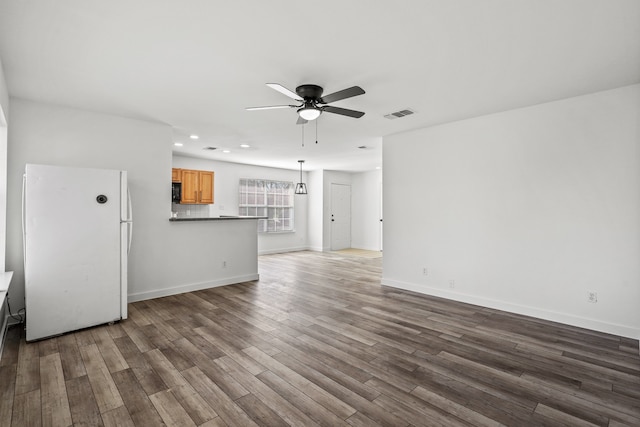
{"x":312,"y":103}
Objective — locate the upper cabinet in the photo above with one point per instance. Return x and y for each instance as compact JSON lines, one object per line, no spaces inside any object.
{"x":197,"y":186}
{"x":205,"y":181}
{"x":189,"y":179}
{"x":176,"y":175}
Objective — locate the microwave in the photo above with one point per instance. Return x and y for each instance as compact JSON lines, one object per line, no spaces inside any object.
{"x":176,"y":192}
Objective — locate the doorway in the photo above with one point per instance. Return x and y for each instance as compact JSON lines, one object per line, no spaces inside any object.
{"x":340,"y":216}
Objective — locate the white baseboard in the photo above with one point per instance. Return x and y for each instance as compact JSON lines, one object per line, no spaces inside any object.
{"x":567,"y":319}
{"x":141,"y":296}
{"x":283,"y":250}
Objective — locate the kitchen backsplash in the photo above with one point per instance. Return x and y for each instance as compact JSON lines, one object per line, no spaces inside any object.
{"x":190,"y":210}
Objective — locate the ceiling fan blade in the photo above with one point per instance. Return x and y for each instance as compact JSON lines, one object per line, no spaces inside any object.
{"x":301,"y":121}
{"x":268,"y":107}
{"x":342,"y":94}
{"x":343,"y":111}
{"x":283,"y":90}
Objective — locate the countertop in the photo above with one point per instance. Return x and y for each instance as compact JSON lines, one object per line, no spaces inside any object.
{"x":5,"y":280}
{"x":213,"y":218}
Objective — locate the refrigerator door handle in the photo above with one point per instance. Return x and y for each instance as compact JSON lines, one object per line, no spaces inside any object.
{"x":126,"y":212}
{"x":129,"y":220}
{"x":129,"y":208}
{"x":130,"y":232}
{"x":24,"y":219}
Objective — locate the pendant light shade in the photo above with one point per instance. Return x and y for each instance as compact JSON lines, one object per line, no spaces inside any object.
{"x":310,"y":111}
{"x":301,"y":187}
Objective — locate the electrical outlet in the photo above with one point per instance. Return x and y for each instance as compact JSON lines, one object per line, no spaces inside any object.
{"x":592,"y":296}
{"x":425,"y":272}
{"x":452,"y":284}
{"x":188,"y":211}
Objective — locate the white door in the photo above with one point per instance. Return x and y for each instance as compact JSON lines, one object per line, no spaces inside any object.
{"x":340,"y":216}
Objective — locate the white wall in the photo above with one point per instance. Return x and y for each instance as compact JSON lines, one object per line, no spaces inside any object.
{"x":160,"y":250}
{"x":227,"y":177}
{"x":4,"y":91}
{"x":526,"y":210}
{"x":315,"y":219}
{"x":366,"y":194}
{"x":4,"y":110}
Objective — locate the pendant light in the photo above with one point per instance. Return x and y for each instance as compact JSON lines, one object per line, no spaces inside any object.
{"x":301,"y":187}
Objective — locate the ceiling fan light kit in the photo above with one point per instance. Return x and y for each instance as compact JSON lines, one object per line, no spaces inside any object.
{"x":309,"y":113}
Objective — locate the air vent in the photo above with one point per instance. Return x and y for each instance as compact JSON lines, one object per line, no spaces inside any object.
{"x":210,"y":148}
{"x":398,"y":114}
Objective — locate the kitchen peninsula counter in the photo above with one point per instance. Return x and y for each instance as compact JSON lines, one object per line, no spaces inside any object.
{"x":205,"y":252}
{"x":213,"y":218}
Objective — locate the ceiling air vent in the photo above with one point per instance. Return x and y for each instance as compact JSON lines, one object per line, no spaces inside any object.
{"x":210,"y":148}
{"x":398,"y":114}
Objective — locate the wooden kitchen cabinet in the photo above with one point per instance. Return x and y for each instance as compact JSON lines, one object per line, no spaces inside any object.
{"x":205,"y":180}
{"x":189,"y":179}
{"x":176,"y":175}
{"x":197,"y":187}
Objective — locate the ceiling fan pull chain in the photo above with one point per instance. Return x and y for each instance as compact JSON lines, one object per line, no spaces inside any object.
{"x":302,"y":135}
{"x":316,"y":131}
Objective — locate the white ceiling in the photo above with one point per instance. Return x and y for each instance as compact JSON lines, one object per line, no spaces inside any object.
{"x":196,"y":65}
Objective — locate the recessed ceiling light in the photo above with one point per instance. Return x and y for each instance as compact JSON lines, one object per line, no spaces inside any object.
{"x":178,"y":144}
{"x":245,"y":146}
{"x":194,"y":136}
{"x":226,"y":151}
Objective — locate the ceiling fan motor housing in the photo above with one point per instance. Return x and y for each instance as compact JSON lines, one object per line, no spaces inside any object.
{"x":309,"y":92}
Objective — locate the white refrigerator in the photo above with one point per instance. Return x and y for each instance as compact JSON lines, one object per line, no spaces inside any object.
{"x":77,"y":226}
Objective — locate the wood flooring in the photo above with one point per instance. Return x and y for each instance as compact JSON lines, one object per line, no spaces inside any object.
{"x":360,"y":252}
{"x":319,"y":342}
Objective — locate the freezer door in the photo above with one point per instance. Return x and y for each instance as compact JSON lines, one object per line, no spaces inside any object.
{"x":72,"y":249}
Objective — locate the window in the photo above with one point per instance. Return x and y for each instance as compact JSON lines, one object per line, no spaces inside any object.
{"x":273,"y":199}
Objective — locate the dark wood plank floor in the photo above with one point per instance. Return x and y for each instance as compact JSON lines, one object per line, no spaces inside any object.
{"x":318,"y":341}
